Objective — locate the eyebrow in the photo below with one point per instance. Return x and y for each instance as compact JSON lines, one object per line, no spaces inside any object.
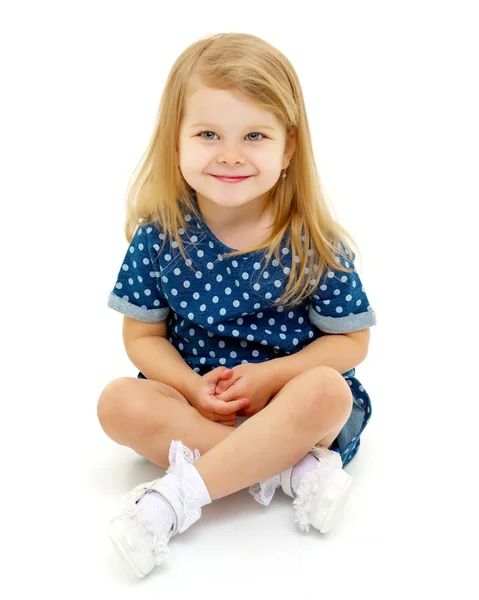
{"x":252,"y":127}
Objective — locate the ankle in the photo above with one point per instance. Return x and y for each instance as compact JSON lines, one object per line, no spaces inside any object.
{"x":195,"y":491}
{"x":302,"y":468}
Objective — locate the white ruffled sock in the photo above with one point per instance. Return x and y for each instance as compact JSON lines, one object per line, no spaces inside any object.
{"x":302,"y":468}
{"x":263,"y":492}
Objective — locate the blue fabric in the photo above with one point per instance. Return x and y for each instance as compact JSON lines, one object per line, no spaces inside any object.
{"x":219,"y":310}
{"x":348,"y":440}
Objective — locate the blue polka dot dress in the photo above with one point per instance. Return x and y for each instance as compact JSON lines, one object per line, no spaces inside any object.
{"x":220,"y":312}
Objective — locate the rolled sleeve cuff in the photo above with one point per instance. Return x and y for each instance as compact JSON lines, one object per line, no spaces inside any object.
{"x":152,"y":315}
{"x":342,"y":324}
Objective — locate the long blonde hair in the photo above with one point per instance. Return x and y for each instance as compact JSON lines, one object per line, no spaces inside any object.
{"x":159,"y":194}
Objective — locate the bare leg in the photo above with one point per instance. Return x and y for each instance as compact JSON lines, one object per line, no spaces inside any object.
{"x":313,"y":406}
{"x":146,"y":416}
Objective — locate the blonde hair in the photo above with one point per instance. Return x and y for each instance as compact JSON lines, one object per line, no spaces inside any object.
{"x":159,"y":194}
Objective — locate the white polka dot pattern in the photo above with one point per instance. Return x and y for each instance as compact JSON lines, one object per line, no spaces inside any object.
{"x":340,"y":304}
{"x":220,"y":310}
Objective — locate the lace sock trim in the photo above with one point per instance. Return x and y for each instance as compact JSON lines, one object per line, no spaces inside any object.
{"x":180,"y":458}
{"x":307,"y":489}
{"x":157,"y":539}
{"x":263,"y":491}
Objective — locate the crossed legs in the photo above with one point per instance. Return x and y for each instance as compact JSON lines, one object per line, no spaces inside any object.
{"x":310,"y":410}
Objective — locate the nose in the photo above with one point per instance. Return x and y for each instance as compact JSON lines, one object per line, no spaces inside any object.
{"x":230,"y":154}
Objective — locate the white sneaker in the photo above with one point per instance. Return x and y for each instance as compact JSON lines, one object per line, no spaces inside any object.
{"x":142,"y":541}
{"x":322,"y":492}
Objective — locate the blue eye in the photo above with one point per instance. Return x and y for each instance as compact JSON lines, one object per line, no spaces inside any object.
{"x":256,"y":133}
{"x":206,"y":132}
{"x":252,"y":133}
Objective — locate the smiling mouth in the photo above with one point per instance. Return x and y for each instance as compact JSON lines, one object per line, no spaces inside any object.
{"x":231,"y":179}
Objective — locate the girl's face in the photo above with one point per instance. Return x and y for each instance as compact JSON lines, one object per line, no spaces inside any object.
{"x":221,"y":135}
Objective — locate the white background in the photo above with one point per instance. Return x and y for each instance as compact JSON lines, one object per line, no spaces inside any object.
{"x":391,"y":93}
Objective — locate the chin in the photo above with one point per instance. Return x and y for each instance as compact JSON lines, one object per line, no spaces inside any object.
{"x":229,"y":198}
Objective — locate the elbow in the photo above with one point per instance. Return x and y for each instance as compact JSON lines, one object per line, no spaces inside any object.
{"x":363,"y":351}
{"x":361,"y":338}
{"x":362,"y":355}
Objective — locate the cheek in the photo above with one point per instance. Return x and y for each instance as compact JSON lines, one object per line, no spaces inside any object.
{"x":192,"y":159}
{"x":189,"y":176}
{"x":192,"y":172}
{"x":188,"y":167}
{"x":268,"y":162}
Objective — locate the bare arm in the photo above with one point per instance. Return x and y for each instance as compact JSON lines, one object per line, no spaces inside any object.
{"x":341,"y":352}
{"x":148,"y":348}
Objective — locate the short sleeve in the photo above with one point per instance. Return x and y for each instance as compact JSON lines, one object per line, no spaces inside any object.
{"x":137,"y":292}
{"x":340,"y":304}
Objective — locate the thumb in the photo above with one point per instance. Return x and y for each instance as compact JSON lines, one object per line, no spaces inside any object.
{"x":225,"y":373}
{"x":218,"y":373}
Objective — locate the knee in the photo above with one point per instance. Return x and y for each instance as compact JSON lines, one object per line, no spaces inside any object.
{"x":115,"y":406}
{"x":327,"y":392}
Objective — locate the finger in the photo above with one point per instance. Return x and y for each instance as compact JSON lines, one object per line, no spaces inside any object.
{"x":226,"y":373}
{"x":215,"y":374}
{"x":226,"y":408}
{"x":229,"y":395}
{"x":222,"y":386}
{"x":228,"y":423}
{"x":220,"y":373}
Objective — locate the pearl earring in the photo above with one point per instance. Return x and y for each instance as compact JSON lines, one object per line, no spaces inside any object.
{"x":284,"y":175}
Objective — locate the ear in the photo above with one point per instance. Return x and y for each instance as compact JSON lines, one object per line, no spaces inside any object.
{"x":289,"y":148}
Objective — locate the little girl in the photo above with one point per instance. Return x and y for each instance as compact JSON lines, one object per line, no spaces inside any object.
{"x":240,"y":298}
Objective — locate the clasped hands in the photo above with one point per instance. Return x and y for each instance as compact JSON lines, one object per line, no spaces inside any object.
{"x":225,"y":393}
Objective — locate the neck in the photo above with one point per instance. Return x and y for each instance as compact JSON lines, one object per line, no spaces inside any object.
{"x":236,"y":217}
{"x":238,"y":227}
